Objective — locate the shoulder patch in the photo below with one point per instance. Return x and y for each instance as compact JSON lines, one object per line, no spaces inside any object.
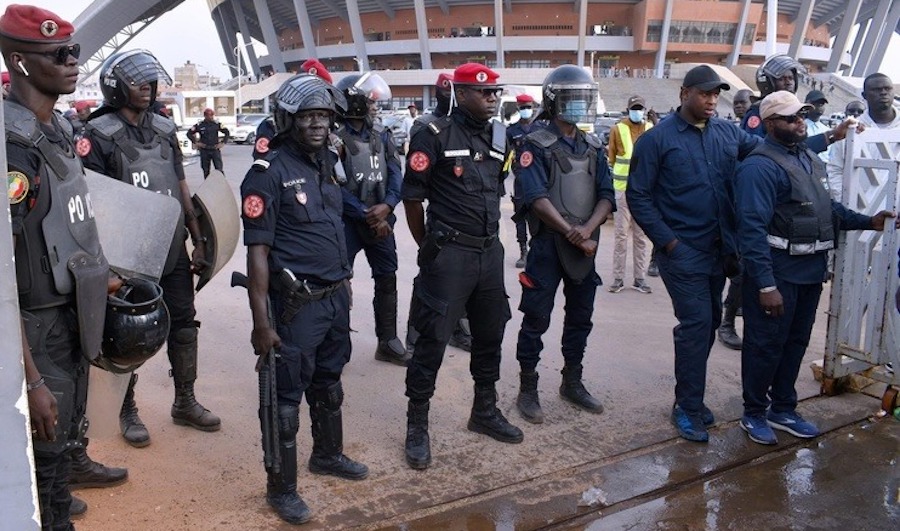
{"x":17,"y":187}
{"x":525,"y":159}
{"x":83,"y":147}
{"x":262,"y":144}
{"x":419,"y":161}
{"x":253,"y":206}
{"x":753,"y":122}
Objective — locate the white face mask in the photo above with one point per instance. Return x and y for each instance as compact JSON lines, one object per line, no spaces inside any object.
{"x":525,"y":114}
{"x":636,"y":115}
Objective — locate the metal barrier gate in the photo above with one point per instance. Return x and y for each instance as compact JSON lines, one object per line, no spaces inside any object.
{"x":863,"y":321}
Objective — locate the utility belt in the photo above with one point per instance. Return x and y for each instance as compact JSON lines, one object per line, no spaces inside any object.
{"x":297,"y":292}
{"x":452,"y":235}
{"x":799,"y":248}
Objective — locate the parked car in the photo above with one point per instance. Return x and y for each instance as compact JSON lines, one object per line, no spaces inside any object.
{"x":245,"y":131}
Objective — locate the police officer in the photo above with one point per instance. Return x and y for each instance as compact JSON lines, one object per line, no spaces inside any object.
{"x":786,"y":227}
{"x":266,"y":129}
{"x":516,"y":135}
{"x":62,"y":275}
{"x":297,"y":256}
{"x":458,"y":164}
{"x":567,"y":189}
{"x":126,"y":141}
{"x":371,"y":190}
{"x":205,"y":137}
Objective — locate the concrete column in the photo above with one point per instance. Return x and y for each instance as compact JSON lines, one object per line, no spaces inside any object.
{"x":245,"y":35}
{"x":422,"y":30}
{"x":498,"y":31}
{"x":893,"y":17}
{"x":771,"y":27}
{"x":804,"y":14}
{"x":872,"y":36}
{"x":269,"y":36}
{"x":582,"y":32}
{"x":664,"y":40}
{"x":735,"y":54}
{"x":227,"y":44}
{"x":359,"y":38}
{"x":306,"y":32}
{"x":857,"y":42}
{"x":843,"y":35}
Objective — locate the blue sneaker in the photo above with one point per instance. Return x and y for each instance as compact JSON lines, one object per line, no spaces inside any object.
{"x":689,"y":426}
{"x":758,"y":429}
{"x":707,"y":416}
{"x":792,"y":423}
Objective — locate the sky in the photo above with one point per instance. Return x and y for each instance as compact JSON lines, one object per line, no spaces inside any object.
{"x":188,"y":33}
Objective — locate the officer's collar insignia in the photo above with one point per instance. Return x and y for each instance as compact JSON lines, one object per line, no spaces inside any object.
{"x":479,"y":156}
{"x":17,"y":187}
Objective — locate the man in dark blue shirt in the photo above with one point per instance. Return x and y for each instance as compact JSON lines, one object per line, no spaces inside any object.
{"x":516,"y":135}
{"x":786,"y":227}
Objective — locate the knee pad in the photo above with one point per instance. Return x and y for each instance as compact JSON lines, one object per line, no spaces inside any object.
{"x":288,"y":422}
{"x":186,"y":335}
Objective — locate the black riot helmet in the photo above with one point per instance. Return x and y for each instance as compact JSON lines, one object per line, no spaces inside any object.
{"x":305,"y":92}
{"x":137,"y":324}
{"x":132,"y":68}
{"x":361,"y":90}
{"x":776,"y":67}
{"x":570,"y":94}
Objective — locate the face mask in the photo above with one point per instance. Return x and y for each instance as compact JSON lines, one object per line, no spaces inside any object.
{"x":575,"y":111}
{"x":525,"y":114}
{"x":636,"y":115}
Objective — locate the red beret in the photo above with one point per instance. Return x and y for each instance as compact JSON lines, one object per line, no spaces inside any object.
{"x":82,"y":105}
{"x":4,"y":77}
{"x":314,"y":67}
{"x":208,"y":111}
{"x":475,"y":74}
{"x":33,"y":24}
{"x":443,"y":81}
{"x":524,"y":98}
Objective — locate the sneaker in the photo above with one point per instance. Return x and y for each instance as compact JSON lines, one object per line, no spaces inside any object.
{"x":617,"y":286}
{"x":641,"y":286}
{"x":653,"y":269}
{"x":758,"y":429}
{"x":689,"y":426}
{"x":792,"y":423}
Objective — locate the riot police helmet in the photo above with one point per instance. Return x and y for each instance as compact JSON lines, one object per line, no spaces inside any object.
{"x":773,"y":69}
{"x":361,"y":90}
{"x":570,"y":94}
{"x":305,"y":92}
{"x":136,"y":326}
{"x":130,"y":69}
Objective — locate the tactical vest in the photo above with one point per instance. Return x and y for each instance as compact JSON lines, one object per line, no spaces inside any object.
{"x":149,"y":166}
{"x":805,"y":224}
{"x":623,"y":161}
{"x":68,"y":265}
{"x":365,"y":167}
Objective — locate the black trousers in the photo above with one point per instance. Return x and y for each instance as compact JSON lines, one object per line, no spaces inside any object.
{"x":178,"y":293}
{"x":207,"y":155}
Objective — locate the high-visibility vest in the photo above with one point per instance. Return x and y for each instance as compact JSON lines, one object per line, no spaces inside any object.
{"x":623,"y":161}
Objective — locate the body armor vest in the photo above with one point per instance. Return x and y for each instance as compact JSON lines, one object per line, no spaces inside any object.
{"x":365,"y":167}
{"x":69,"y":264}
{"x":804,"y":225}
{"x":147,"y":165}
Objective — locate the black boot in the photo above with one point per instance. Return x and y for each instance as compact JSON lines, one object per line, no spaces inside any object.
{"x":186,"y":411}
{"x":328,"y":436}
{"x":487,"y":419}
{"x":523,"y":254}
{"x":77,"y":508}
{"x":133,"y":429}
{"x":418,"y":444}
{"x":88,"y":474}
{"x":281,"y":488}
{"x":390,"y":348}
{"x":572,"y":390}
{"x":528,"y":403}
{"x":726,"y":332}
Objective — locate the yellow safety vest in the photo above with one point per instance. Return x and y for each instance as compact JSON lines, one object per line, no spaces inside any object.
{"x":623,"y":161}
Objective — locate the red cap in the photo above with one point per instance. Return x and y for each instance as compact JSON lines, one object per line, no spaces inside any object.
{"x":33,"y":24}
{"x":443,"y":81}
{"x":208,"y":112}
{"x":475,"y":74}
{"x":4,"y":77}
{"x":522,"y":99}
{"x":81,"y":105}
{"x":314,"y":67}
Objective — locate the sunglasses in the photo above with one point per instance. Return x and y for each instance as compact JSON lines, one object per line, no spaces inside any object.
{"x":61,"y":54}
{"x":794,"y":118}
{"x":487,"y":92}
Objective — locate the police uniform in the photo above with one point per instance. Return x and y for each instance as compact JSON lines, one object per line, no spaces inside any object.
{"x":516,"y":136}
{"x":265,"y":132}
{"x":206,"y":132}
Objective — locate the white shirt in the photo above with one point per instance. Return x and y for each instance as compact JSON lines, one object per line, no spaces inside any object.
{"x":817,"y":128}
{"x":835,"y":163}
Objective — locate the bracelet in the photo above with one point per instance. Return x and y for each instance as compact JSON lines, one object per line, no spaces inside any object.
{"x":34,"y":385}
{"x":768,"y":289}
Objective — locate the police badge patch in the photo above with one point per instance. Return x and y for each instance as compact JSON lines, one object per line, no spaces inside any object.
{"x":253,"y":206}
{"x":262,"y":144}
{"x":753,"y":122}
{"x":526,"y":159}
{"x":419,"y":161}
{"x":83,"y":147}
{"x":17,"y":187}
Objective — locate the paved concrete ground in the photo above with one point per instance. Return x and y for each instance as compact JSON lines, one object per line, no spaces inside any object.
{"x":191,"y":480}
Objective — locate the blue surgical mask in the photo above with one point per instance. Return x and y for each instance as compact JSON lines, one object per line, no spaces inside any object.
{"x":526,"y":114}
{"x":636,"y":115}
{"x":576,"y":111}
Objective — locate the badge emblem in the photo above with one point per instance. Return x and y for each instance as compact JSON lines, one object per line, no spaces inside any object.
{"x":753,"y":122}
{"x":49,"y":28}
{"x":419,"y":161}
{"x":478,"y":157}
{"x":17,"y":187}
{"x":83,"y":147}
{"x":254,"y":206}
{"x":526,"y":159}
{"x":481,"y":77}
{"x":262,"y":144}
{"x":458,"y":170}
{"x":301,"y":197}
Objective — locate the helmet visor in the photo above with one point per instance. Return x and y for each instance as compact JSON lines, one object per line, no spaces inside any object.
{"x":372,"y":86}
{"x":577,"y":105}
{"x":306,"y":92}
{"x":138,"y":68}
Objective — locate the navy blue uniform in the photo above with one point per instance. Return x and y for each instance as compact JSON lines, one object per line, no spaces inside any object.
{"x":752,"y":123}
{"x":679,"y":188}
{"x":293,"y":206}
{"x":543,"y":270}
{"x":206,"y":133}
{"x":516,"y":137}
{"x":265,"y":132}
{"x":460,"y":174}
{"x":774,"y":346}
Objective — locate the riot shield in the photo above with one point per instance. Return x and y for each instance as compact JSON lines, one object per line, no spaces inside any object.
{"x":220,"y":222}
{"x":135,"y":225}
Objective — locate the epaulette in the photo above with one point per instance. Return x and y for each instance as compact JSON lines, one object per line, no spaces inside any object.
{"x":542,"y":137}
{"x":261,"y":165}
{"x":437,"y":125}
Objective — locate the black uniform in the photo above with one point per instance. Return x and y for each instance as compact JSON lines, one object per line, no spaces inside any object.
{"x":208,"y":133}
{"x":51,"y":209}
{"x":458,"y":166}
